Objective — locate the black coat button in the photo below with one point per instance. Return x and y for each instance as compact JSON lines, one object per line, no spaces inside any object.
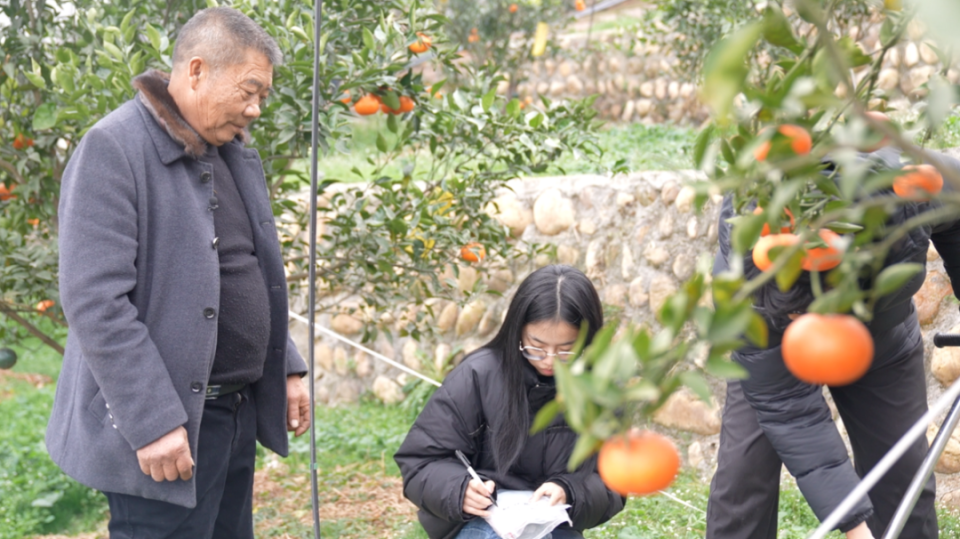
{"x":196,"y":387}
{"x":205,"y":177}
{"x":209,"y":312}
{"x":214,"y":203}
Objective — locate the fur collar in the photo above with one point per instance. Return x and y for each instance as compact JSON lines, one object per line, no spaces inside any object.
{"x":154,"y":95}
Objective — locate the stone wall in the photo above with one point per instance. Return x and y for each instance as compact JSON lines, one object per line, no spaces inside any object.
{"x":640,"y":84}
{"x":638,"y":238}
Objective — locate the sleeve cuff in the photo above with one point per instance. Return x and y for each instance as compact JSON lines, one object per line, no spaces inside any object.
{"x":855,"y":521}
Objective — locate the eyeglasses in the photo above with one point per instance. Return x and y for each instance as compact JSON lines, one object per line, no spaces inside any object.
{"x":539,"y":354}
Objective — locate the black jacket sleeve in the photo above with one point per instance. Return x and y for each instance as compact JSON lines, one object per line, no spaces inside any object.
{"x":591,"y":502}
{"x":433,"y":478}
{"x":946,"y":236}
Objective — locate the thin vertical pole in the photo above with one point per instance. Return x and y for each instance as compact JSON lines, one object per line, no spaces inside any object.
{"x":312,"y":284}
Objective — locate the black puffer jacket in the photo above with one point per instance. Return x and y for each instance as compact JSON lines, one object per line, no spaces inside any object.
{"x":461,"y":415}
{"x":794,"y":415}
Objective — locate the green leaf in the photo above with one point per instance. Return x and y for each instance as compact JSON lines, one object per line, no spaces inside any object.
{"x":725,"y":69}
{"x":586,"y":445}
{"x":728,"y":325}
{"x":722,"y":368}
{"x":392,"y":123}
{"x":701,"y":144}
{"x":45,"y":117}
{"x":488,"y":99}
{"x":368,"y":41}
{"x":212,"y":3}
{"x":154,"y":36}
{"x":114,"y":51}
{"x":35,"y":79}
{"x":892,"y":278}
{"x":695,"y":381}
{"x":125,"y":23}
{"x":642,"y":391}
{"x":757,"y":331}
{"x":844,"y":228}
{"x":545,"y":416}
{"x":789,"y":273}
{"x":382,"y":143}
{"x":777,"y":30}
{"x":746,"y":230}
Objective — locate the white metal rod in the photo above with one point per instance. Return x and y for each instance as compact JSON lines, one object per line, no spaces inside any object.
{"x":379,"y":356}
{"x":916,"y":431}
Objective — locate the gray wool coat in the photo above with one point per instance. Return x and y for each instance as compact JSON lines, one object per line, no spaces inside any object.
{"x":140,"y":287}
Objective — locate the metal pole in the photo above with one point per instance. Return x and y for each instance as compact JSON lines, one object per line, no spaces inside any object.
{"x":312,"y":284}
{"x":933,"y":454}
{"x":926,"y":468}
{"x":887,"y":462}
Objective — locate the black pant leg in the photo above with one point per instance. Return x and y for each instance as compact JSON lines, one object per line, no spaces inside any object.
{"x":876,"y":411}
{"x":745,"y":490}
{"x":235,"y":518}
{"x":134,"y":517}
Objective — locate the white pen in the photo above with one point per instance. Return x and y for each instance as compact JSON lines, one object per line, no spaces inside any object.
{"x":473,"y":474}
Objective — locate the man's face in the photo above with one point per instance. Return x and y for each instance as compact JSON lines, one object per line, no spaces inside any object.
{"x":228,"y":99}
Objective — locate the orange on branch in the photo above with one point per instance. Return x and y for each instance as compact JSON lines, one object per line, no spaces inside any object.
{"x":5,"y":193}
{"x":422,"y":44}
{"x":761,"y":251}
{"x":640,"y":462}
{"x":765,"y":231}
{"x":918,"y":181}
{"x":824,"y":258}
{"x":44,"y":305}
{"x":800,"y":142}
{"x":473,"y":252}
{"x":513,"y":8}
{"x":367,"y":105}
{"x":827,"y":349}
{"x":580,"y":5}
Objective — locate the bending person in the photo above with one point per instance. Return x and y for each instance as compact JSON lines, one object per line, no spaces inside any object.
{"x":485,"y":408}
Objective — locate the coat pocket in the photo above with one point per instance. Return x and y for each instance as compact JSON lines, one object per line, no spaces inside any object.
{"x":98,"y":407}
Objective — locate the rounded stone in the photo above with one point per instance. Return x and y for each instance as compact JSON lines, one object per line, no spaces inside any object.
{"x":683,"y":266}
{"x":927,"y":299}
{"x":637,"y":293}
{"x":685,"y":411}
{"x":685,"y":198}
{"x":655,"y":254}
{"x":323,"y":357}
{"x":888,"y":79}
{"x":646,"y":194}
{"x":553,"y":213}
{"x":467,"y":279}
{"x":643,"y":106}
{"x":448,"y":317}
{"x":568,"y":255}
{"x":388,"y":391}
{"x":411,"y":357}
{"x":661,"y":288}
{"x":928,"y":55}
{"x":363,"y":365}
{"x":509,"y":211}
{"x":625,"y":199}
{"x":500,"y":280}
{"x":626,"y":263}
{"x":665,"y":226}
{"x":694,"y":455}
{"x":615,"y":295}
{"x":669,"y":192}
{"x":489,"y":321}
{"x":345,"y":324}
{"x":341,"y":363}
{"x":932,"y":253}
{"x":594,"y":263}
{"x":470,"y":317}
{"x":692,"y":227}
{"x":586,"y":227}
{"x":441,"y":355}
{"x":945,"y":364}
{"x":911,"y":55}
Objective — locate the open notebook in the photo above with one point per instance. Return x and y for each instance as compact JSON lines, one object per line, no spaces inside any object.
{"x":514,"y":517}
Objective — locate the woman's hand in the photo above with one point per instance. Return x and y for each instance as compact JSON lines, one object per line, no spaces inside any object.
{"x":478,"y":497}
{"x":860,"y":532}
{"x":552,"y":490}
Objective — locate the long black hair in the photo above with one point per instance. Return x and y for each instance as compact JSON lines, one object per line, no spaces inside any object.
{"x":550,"y":293}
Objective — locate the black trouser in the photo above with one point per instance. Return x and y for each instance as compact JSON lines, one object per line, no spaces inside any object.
{"x":224,"y":473}
{"x":876,"y":411}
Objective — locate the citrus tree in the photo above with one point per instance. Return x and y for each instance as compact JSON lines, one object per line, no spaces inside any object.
{"x":784,"y":147}
{"x":66,"y":67}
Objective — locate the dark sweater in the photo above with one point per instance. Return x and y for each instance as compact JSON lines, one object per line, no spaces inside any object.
{"x":243,"y":326}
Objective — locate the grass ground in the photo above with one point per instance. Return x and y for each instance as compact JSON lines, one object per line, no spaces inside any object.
{"x":360,"y":490}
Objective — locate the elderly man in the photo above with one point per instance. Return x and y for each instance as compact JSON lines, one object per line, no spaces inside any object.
{"x":178,"y":358}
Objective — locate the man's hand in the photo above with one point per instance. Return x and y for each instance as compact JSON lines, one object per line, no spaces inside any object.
{"x":860,"y":532}
{"x":552,"y":490}
{"x":168,"y":457}
{"x":298,"y":405}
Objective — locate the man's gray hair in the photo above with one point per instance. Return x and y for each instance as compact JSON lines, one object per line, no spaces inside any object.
{"x":222,"y":36}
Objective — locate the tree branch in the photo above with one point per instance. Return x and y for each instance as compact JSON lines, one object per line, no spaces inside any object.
{"x":34,"y":330}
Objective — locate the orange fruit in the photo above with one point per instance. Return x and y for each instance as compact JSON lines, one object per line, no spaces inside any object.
{"x":422,"y":44}
{"x":513,"y":8}
{"x":874,"y":135}
{"x":765,"y":231}
{"x":21,"y":141}
{"x":800,"y":141}
{"x":918,"y":181}
{"x":761,"y":251}
{"x":579,"y":5}
{"x":406,"y":105}
{"x":640,"y":462}
{"x":473,"y":252}
{"x":346,"y":99}
{"x":5,"y":193}
{"x":44,"y":305}
{"x":33,"y":222}
{"x":827,"y":349}
{"x":823,"y":258}
{"x":474,"y":36}
{"x":367,"y":105}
